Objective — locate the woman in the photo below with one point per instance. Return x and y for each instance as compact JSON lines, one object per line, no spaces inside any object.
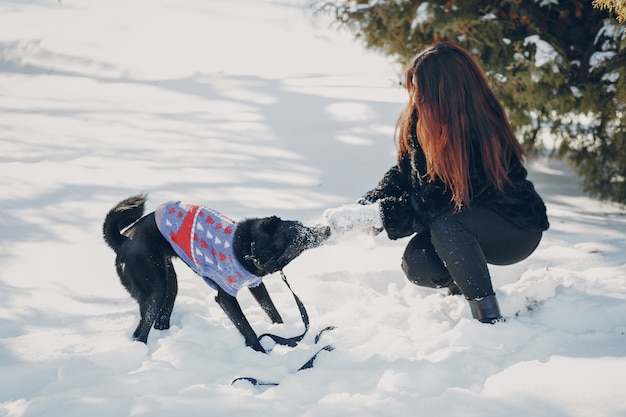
{"x":459,"y":185}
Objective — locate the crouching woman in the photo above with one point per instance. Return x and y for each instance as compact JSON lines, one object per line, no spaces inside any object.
{"x":459,"y":185}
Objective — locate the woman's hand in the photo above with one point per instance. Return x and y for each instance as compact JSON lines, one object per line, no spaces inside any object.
{"x":354,"y":217}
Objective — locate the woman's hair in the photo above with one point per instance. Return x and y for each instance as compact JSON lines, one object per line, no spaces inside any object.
{"x":458,"y":121}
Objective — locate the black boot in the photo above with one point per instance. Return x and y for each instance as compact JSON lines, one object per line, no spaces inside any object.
{"x":454,"y":289}
{"x":486,"y":309}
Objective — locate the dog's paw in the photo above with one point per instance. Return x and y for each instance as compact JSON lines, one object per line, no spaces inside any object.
{"x":162,"y":322}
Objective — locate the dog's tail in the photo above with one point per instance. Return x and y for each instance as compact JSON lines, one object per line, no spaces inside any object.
{"x":125,"y":213}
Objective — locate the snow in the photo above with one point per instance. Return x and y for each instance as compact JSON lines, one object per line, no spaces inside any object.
{"x":422,"y":15}
{"x":544,"y":3}
{"x":258,"y":108}
{"x":545,"y":53}
{"x":598,"y":58}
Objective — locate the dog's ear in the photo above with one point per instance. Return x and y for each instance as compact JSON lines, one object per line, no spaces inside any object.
{"x":270,"y":224}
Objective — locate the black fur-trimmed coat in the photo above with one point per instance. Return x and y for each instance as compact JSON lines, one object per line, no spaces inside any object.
{"x":410,"y":202}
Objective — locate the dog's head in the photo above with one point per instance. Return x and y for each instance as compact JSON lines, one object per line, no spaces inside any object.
{"x":268,"y":244}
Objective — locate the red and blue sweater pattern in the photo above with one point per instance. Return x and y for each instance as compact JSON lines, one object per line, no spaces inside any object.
{"x":203,"y":238}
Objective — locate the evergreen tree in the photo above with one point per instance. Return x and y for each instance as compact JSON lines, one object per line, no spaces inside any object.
{"x":617,"y":6}
{"x":558,"y":66}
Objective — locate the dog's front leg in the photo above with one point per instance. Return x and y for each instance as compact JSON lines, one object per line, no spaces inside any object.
{"x":231,"y":307}
{"x":265,"y":301}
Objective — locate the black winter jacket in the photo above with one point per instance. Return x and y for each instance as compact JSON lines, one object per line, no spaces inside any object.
{"x":410,"y":202}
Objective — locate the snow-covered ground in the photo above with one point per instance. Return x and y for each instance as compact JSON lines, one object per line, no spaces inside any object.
{"x":256,"y":107}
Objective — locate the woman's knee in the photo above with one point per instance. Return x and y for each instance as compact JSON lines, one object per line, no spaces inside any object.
{"x":422,"y":266}
{"x":408,"y":271}
{"x":411,"y":270}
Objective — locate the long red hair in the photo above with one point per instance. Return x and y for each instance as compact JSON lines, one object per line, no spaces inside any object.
{"x":455,"y":114}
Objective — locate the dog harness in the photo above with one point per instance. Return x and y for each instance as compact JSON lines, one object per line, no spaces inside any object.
{"x":203,"y":238}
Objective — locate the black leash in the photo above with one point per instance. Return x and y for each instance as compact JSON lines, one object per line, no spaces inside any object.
{"x":291,"y":341}
{"x":285,"y":341}
{"x":307,"y":365}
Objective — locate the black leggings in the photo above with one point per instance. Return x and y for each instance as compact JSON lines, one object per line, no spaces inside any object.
{"x":457,"y":247}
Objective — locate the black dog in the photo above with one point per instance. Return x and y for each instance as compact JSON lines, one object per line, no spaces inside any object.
{"x":257,"y":247}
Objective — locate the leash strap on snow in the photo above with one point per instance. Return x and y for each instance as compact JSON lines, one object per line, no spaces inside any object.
{"x":291,"y":341}
{"x":325,"y":329}
{"x":254,"y":381}
{"x":288,"y":341}
{"x":307,"y":365}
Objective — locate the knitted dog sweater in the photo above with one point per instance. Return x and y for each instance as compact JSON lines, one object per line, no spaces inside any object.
{"x":203,"y":238}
